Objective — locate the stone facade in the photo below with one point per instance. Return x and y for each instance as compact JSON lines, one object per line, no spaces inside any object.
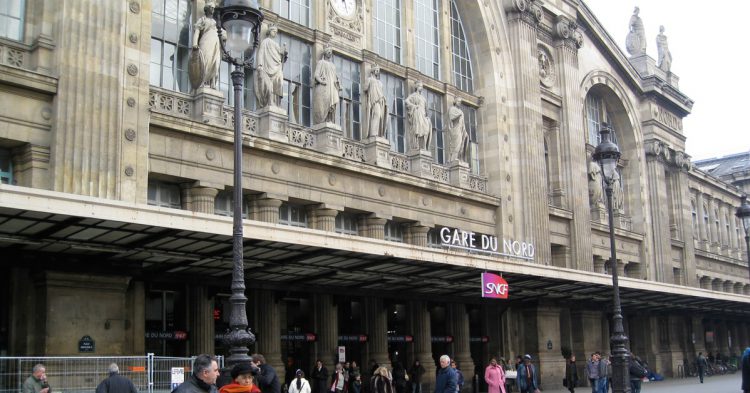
{"x":91,"y":112}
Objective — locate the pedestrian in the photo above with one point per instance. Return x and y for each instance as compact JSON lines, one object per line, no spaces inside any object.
{"x":265,"y":375}
{"x":494,"y":375}
{"x":605,"y":372}
{"x":447,"y":379}
{"x":353,"y":373}
{"x":416,"y":371}
{"x":746,"y":370}
{"x":289,"y":370}
{"x":381,"y":381}
{"x":592,"y":372}
{"x":116,"y":383}
{"x":299,"y":384}
{"x":571,"y":374}
{"x":702,"y":364}
{"x":459,"y":376}
{"x":203,"y":377}
{"x":242,"y":380}
{"x":319,"y":377}
{"x":637,"y":371}
{"x":399,"y":377}
{"x":527,"y":378}
{"x":37,"y":381}
{"x":338,"y":380}
{"x":356,"y":384}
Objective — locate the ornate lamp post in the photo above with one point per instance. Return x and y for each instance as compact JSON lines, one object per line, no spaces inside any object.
{"x":607,"y":154}
{"x":743,"y":212}
{"x":241,"y":20}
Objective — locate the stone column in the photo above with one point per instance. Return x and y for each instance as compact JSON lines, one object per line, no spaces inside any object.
{"x":598,"y":264}
{"x":684,"y":214}
{"x":269,"y":330}
{"x":377,"y":323}
{"x":31,"y":166}
{"x":459,"y":325}
{"x":199,"y":199}
{"x":324,"y":219}
{"x":572,"y":132}
{"x":423,"y":342}
{"x":268,"y":210}
{"x":550,"y":363}
{"x":703,"y":238}
{"x":201,"y":321}
{"x":586,"y":336}
{"x":531,"y":214}
{"x":373,"y":227}
{"x":137,"y":305}
{"x":101,"y":96}
{"x":661,"y":253}
{"x":417,"y":235}
{"x":327,"y":325}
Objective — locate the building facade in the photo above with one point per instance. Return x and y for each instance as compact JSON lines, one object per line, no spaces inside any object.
{"x":117,"y":178}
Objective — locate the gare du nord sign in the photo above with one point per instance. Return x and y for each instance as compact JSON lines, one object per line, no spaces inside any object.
{"x":487,"y":244}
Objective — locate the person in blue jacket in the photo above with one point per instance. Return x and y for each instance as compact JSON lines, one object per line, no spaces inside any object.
{"x":447,"y":380}
{"x":527,"y":379}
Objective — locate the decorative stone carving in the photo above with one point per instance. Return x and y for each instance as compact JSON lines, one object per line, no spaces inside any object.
{"x":131,"y":102}
{"x":595,"y":185}
{"x":547,"y":74}
{"x":348,"y":28}
{"x":420,"y":127}
{"x":567,"y":31}
{"x":135,"y":7}
{"x":458,"y":138}
{"x":635,"y":42}
{"x":129,"y":171}
{"x":133,"y":37}
{"x":617,"y":193}
{"x":562,"y":27}
{"x":665,"y":56}
{"x":130,"y":134}
{"x":132,"y":69}
{"x":377,"y":105}
{"x":326,"y":90}
{"x":269,"y":76}
{"x":205,"y":56}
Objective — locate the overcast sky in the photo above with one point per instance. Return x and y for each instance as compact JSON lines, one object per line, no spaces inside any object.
{"x":709,"y":46}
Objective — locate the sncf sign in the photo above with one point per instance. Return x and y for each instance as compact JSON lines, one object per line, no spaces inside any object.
{"x":494,"y":286}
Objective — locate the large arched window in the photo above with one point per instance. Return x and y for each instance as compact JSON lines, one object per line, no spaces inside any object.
{"x":170,"y":45}
{"x":597,"y":112}
{"x":427,"y":36}
{"x":387,"y":29}
{"x":462,"y":72}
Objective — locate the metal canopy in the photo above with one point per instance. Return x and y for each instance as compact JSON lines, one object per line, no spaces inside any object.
{"x":150,"y":251}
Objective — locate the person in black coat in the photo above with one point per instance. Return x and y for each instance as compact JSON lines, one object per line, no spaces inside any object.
{"x":116,"y":383}
{"x":203,"y":377}
{"x":265,"y":375}
{"x":746,"y":370}
{"x":399,"y":377}
{"x":319,"y":378}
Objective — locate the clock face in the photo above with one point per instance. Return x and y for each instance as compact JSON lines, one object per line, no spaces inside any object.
{"x":345,"y":8}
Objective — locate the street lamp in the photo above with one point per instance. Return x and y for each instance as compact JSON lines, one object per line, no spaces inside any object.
{"x":743,"y":212}
{"x":238,"y":22}
{"x":607,"y":154}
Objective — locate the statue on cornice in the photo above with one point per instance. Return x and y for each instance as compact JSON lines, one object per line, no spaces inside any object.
{"x":635,"y":43}
{"x":595,"y":184}
{"x":377,"y":105}
{"x":206,"y":54}
{"x":420,"y":126}
{"x":326,"y":90}
{"x":665,"y":56}
{"x":269,"y":76}
{"x":458,"y":138}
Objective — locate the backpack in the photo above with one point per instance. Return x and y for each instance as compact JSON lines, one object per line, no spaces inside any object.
{"x":637,"y":369}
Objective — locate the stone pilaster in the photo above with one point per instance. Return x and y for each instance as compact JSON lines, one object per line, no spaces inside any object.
{"x":199,"y":199}
{"x":31,"y":166}
{"x":417,"y":235}
{"x":377,"y":323}
{"x":703,"y":239}
{"x":327,"y":325}
{"x":683,"y":211}
{"x":572,"y":132}
{"x":420,"y":162}
{"x":324,"y":219}
{"x":550,"y":363}
{"x":272,"y":123}
{"x":201,"y":322}
{"x":586,"y":335}
{"x":531,"y":214}
{"x":268,"y":210}
{"x":459,"y":325}
{"x":458,"y":172}
{"x":377,"y":152}
{"x":660,"y":267}
{"x":423,"y":342}
{"x":208,"y":106}
{"x":373,"y":227}
{"x":269,"y":330}
{"x":328,"y":138}
{"x":137,"y":306}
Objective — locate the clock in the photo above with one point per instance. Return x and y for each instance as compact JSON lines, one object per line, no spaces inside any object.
{"x":345,"y":8}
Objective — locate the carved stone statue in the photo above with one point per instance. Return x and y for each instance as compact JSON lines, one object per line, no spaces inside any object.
{"x":665,"y":56}
{"x":458,"y":138}
{"x":269,"y":76}
{"x":635,"y":43}
{"x":595,"y":184}
{"x":420,"y":127}
{"x":377,"y":105}
{"x":326,"y":90}
{"x":205,"y":58}
{"x":617,"y":197}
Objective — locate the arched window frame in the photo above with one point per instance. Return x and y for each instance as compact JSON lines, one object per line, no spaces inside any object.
{"x":427,"y":37}
{"x":463,"y":74}
{"x":596,"y":114}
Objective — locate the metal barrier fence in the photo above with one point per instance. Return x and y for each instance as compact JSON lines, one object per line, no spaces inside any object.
{"x":74,"y":374}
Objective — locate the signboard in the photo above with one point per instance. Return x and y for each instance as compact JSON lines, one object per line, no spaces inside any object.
{"x":442,"y":339}
{"x":177,"y":335}
{"x":342,"y":354}
{"x":494,"y":286}
{"x":308,"y":337}
{"x":709,"y":337}
{"x":86,"y":344}
{"x":488,"y":244}
{"x":178,"y":377}
{"x":401,"y":339}
{"x":358,"y":338}
{"x":482,"y":339}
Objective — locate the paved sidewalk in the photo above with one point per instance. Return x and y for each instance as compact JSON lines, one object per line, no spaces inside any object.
{"x":729,"y":383}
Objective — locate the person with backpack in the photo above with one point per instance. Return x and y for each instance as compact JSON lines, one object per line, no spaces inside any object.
{"x":637,"y":371}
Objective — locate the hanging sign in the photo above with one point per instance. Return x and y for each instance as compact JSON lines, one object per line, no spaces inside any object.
{"x":342,"y":354}
{"x":494,"y":286}
{"x":359,"y":338}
